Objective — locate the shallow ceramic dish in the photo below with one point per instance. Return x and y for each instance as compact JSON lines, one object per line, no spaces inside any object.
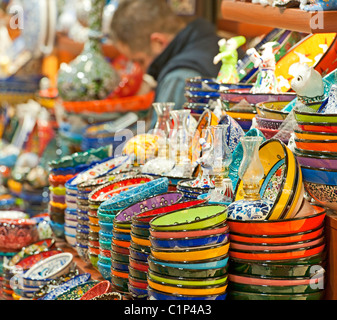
{"x":77,"y":292}
{"x":187,"y":281}
{"x":272,"y":110}
{"x":277,"y":239}
{"x":278,"y":227}
{"x":320,"y":176}
{"x":202,"y":216}
{"x":136,"y":194}
{"x":150,"y":203}
{"x":82,"y":278}
{"x":51,"y":267}
{"x":184,"y":290}
{"x":266,"y":123}
{"x":281,"y":181}
{"x":159,"y":295}
{"x":194,"y":254}
{"x":317,"y":145}
{"x":188,"y":242}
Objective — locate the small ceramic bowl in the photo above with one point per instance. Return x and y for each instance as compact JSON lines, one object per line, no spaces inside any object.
{"x":315,"y":117}
{"x":278,"y":227}
{"x":194,"y":254}
{"x":315,"y":159}
{"x":159,"y":295}
{"x":105,"y":245}
{"x":137,"y":273}
{"x":101,"y":288}
{"x":137,"y":254}
{"x":103,"y":217}
{"x":121,"y":243}
{"x":137,"y":293}
{"x":322,"y":193}
{"x":119,"y":282}
{"x":138,"y":283}
{"x":188,"y":242}
{"x":120,"y":266}
{"x":139,"y":231}
{"x":272,"y":110}
{"x":310,"y":135}
{"x":320,"y":175}
{"x":317,"y":145}
{"x":69,"y":229}
{"x":104,"y":270}
{"x":199,"y":217}
{"x":139,"y":265}
{"x":120,"y":250}
{"x":269,"y":133}
{"x":119,"y":257}
{"x":71,"y":239}
{"x":105,"y":236}
{"x":317,"y":126}
{"x":121,"y":235}
{"x":266,"y":123}
{"x":106,"y":227}
{"x":141,"y":241}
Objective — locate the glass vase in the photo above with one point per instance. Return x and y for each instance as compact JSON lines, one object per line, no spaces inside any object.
{"x":89,"y":76}
{"x":251,"y":172}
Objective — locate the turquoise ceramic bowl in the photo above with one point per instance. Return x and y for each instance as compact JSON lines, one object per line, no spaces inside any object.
{"x":106,"y":227}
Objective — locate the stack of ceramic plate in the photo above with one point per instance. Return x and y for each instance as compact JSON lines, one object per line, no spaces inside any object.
{"x":189,"y":191}
{"x":316,"y":151}
{"x":278,"y":260}
{"x":189,"y":254}
{"x":106,"y":214}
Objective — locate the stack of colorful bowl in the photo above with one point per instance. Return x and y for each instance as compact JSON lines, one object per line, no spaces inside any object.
{"x":279,"y":259}
{"x":190,"y":263}
{"x":316,"y":151}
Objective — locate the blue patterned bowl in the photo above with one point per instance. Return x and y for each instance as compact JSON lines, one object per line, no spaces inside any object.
{"x":106,"y":227}
{"x":104,"y":236}
{"x":105,"y":270}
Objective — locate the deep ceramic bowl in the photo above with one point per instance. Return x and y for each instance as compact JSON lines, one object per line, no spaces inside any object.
{"x":120,"y":266}
{"x":189,"y":270}
{"x":121,"y":235}
{"x":277,"y":239}
{"x":188,"y":242}
{"x":159,"y":295}
{"x":324,"y":194}
{"x":317,"y":145}
{"x":239,"y":295}
{"x":147,"y":216}
{"x":137,"y":254}
{"x":266,"y":123}
{"x":315,"y":117}
{"x":118,"y":249}
{"x":137,"y":293}
{"x":138,"y":264}
{"x":139,"y":231}
{"x":317,"y":126}
{"x":278,"y":227}
{"x":202,"y":216}
{"x":272,"y":110}
{"x":150,"y":203}
{"x":188,"y":282}
{"x":105,"y":270}
{"x":137,"y":273}
{"x":187,"y":290}
{"x":316,"y":159}
{"x":140,"y":240}
{"x":320,"y":176}
{"x":311,"y":135}
{"x":106,"y":227}
{"x":191,"y":254}
{"x":99,"y":289}
{"x":302,"y":267}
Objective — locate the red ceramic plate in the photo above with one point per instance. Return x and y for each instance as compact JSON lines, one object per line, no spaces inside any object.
{"x":223,"y":228}
{"x":291,"y":238}
{"x":277,"y":255}
{"x":278,"y":227}
{"x":149,"y":215}
{"x":99,"y":289}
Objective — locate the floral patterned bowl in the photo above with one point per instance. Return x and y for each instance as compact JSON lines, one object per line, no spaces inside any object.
{"x":266,"y":123}
{"x":324,"y":194}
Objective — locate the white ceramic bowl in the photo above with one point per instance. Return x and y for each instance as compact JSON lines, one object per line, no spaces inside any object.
{"x":71,"y":230}
{"x":70,"y":239}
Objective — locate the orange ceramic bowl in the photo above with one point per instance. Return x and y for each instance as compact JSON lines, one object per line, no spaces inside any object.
{"x":311,"y":135}
{"x":317,"y":145}
{"x":279,"y":255}
{"x":318,"y":126}
{"x":142,"y":241}
{"x":278,"y":239}
{"x":121,"y":243}
{"x":278,"y":227}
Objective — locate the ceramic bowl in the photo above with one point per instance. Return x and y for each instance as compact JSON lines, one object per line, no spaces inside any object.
{"x":194,"y":254}
{"x":141,"y":241}
{"x":121,"y":243}
{"x":118,"y":249}
{"x":317,"y":145}
{"x":188,"y":282}
{"x":187,"y":290}
{"x":188,"y":242}
{"x":137,"y":283}
{"x":139,"y":231}
{"x":120,"y":266}
{"x":221,"y":228}
{"x":267,"y":123}
{"x":139,"y":265}
{"x":119,"y":257}
{"x":277,"y":239}
{"x":103,"y":217}
{"x":318,"y":126}
{"x":119,"y":281}
{"x":316,"y":159}
{"x":272,"y":110}
{"x":147,"y":216}
{"x":239,"y":295}
{"x":69,"y":229}
{"x":50,"y":268}
{"x":195,"y":96}
{"x":137,"y":254}
{"x":324,"y":194}
{"x":73,"y":282}
{"x":104,"y":270}
{"x":137,"y":274}
{"x":150,"y":203}
{"x":104,"y":236}
{"x":320,"y":176}
{"x":121,"y":235}
{"x":105,"y":227}
{"x":189,"y":270}
{"x":282,"y":183}
{"x":107,"y":296}
{"x":315,"y":117}
{"x":137,"y":293}
{"x":159,"y":295}
{"x":104,"y":259}
{"x":212,"y":84}
{"x":199,"y":217}
{"x":279,"y":227}
{"x":196,"y":108}
{"x":104,"y":245}
{"x":17,"y":233}
{"x":311,"y":135}
{"x":77,"y":292}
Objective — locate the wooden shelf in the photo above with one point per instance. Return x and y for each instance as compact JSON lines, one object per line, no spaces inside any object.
{"x":291,"y":19}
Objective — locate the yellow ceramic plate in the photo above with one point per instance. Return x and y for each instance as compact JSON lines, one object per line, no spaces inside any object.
{"x":280,"y":177}
{"x":310,"y":50}
{"x":192,"y":255}
{"x":186,"y":291}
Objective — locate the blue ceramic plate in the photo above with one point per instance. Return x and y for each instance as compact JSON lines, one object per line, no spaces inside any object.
{"x":82,"y":278}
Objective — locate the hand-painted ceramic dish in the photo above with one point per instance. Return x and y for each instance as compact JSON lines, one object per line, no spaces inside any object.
{"x":120,"y":250}
{"x":272,"y":110}
{"x":324,"y":194}
{"x":151,"y":203}
{"x":141,"y":241}
{"x":136,"y":194}
{"x":184,"y":290}
{"x":188,"y":242}
{"x":139,"y":231}
{"x":194,"y":254}
{"x":222,"y":228}
{"x":78,"y":291}
{"x":278,"y":227}
{"x":282,"y":182}
{"x":190,"y":270}
{"x":317,"y":145}
{"x":104,"y":269}
{"x":159,"y":295}
{"x":267,"y":123}
{"x":320,"y":176}
{"x":82,"y":278}
{"x":202,"y":216}
{"x":106,"y":296}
